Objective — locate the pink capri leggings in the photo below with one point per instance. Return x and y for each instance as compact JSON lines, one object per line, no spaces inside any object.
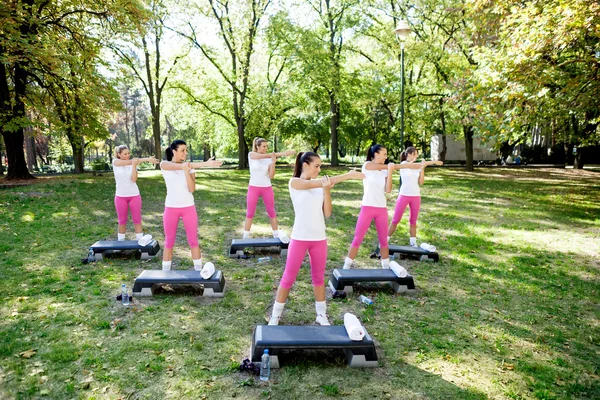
{"x":368,"y":214}
{"x":254,"y":192}
{"x":190,"y":223}
{"x":134,"y":203}
{"x":317,"y":254}
{"x":415,"y":205}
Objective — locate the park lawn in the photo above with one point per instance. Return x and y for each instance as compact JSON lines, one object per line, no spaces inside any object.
{"x":511,"y":311}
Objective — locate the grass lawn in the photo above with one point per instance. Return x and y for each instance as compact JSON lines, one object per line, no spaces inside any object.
{"x":510,"y":311}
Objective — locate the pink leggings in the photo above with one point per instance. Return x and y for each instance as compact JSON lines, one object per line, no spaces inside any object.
{"x":254,"y":192}
{"x":317,"y":254}
{"x":190,"y":223}
{"x":368,"y":214}
{"x":415,"y":205}
{"x":134,"y":203}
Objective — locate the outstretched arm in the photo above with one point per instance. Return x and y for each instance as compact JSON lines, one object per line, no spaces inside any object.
{"x":173,"y":166}
{"x":407,"y":166}
{"x":258,"y":156}
{"x":428,"y":163}
{"x":117,"y":162}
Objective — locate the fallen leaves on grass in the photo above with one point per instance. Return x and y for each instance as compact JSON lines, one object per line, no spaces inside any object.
{"x":28,"y":353}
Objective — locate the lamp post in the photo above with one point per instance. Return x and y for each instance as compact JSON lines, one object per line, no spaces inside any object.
{"x":402,"y":31}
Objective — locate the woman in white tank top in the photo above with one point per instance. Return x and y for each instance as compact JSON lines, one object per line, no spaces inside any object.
{"x":262,"y":170}
{"x":410,"y":193}
{"x":180,"y":178}
{"x":311,"y":198}
{"x":127,"y":195}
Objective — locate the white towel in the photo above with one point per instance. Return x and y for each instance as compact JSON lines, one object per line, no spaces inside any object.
{"x":428,"y":247}
{"x":398,"y":269}
{"x":208,"y":270}
{"x":145,"y":240}
{"x":355,"y":330}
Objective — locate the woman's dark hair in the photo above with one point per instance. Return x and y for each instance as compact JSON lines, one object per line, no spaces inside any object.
{"x":405,"y":153}
{"x":376,"y":148}
{"x":303,"y":157}
{"x":173,"y":146}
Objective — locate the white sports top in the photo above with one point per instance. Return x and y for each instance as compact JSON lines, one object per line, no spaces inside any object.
{"x":259,"y":171}
{"x":374,"y":187}
{"x":178,"y":195}
{"x":410,"y":182}
{"x":125,"y":186}
{"x":309,"y":222}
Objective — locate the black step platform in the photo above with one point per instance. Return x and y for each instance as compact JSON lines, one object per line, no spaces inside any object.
{"x":104,"y":248}
{"x":238,"y":245}
{"x":413,"y":252}
{"x":278,"y":338}
{"x":213,"y":286}
{"x":342,"y":279}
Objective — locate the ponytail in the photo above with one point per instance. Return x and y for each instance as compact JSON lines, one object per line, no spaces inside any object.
{"x":376,"y":148}
{"x":257,"y":142}
{"x":173,"y":146}
{"x":405,"y":153}
{"x":301,"y":158}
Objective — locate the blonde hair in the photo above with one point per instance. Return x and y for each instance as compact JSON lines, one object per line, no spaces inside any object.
{"x":257,"y":142}
{"x":119,"y":149}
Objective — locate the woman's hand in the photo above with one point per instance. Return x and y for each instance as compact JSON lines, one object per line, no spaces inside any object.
{"x":186,"y":167}
{"x":135,"y":161}
{"x":390,"y":168}
{"x":354,"y":174}
{"x":153,"y":160}
{"x":326,"y":182}
{"x":288,"y":153}
{"x":211,"y":162}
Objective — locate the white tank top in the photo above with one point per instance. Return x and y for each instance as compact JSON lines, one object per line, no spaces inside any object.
{"x":309,"y":222}
{"x":259,"y":171}
{"x":410,"y":182}
{"x":178,"y":195}
{"x":374,"y":187}
{"x":125,"y":186}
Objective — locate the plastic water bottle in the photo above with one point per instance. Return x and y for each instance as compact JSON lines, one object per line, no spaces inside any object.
{"x":124,"y":295}
{"x":265,"y":259}
{"x":365,"y":299}
{"x":265,"y":366}
{"x":91,"y":256}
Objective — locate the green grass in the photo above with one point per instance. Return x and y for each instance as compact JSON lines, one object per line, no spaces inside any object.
{"x":510,"y":312}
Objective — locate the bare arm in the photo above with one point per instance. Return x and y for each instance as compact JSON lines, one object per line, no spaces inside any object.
{"x":259,"y":156}
{"x":173,"y":166}
{"x":348,"y":175}
{"x":407,"y":166}
{"x":388,"y":178}
{"x":271,"y":169}
{"x":117,"y":162}
{"x":327,"y":206}
{"x":134,"y":171}
{"x":371,"y":166}
{"x":422,"y":177}
{"x":190,"y":178}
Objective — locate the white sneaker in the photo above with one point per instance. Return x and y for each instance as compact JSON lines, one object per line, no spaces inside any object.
{"x":283,"y":237}
{"x":414,"y":245}
{"x":322,"y":320}
{"x":145,"y":240}
{"x":165,"y":268}
{"x":274,"y":320}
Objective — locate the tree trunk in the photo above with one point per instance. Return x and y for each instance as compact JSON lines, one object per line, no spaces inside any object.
{"x":578,"y":162}
{"x":17,"y":167}
{"x":468,"y":132}
{"x":30,"y":150}
{"x":443,"y":121}
{"x":77,"y":146}
{"x":334,"y":109}
{"x":206,"y":152}
{"x":242,"y":145}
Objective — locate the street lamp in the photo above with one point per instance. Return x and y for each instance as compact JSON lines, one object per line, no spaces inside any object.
{"x":402,"y":31}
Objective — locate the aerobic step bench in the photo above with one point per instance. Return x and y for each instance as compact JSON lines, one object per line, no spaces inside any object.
{"x":213,"y":286}
{"x":279,"y":338}
{"x":342,"y":279}
{"x":237,"y":247}
{"x":413,"y":252}
{"x":105,"y":247}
